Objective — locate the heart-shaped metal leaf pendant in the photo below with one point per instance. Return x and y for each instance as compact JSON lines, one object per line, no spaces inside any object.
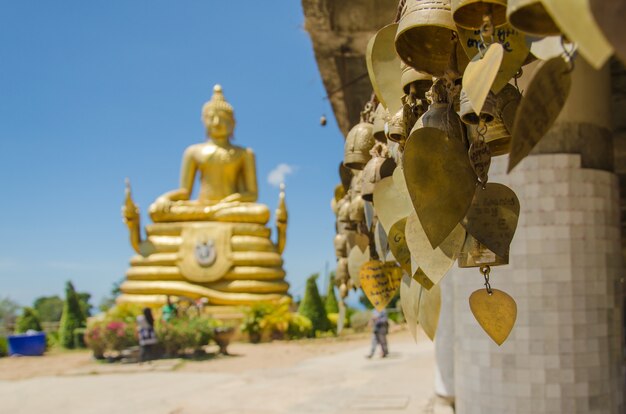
{"x":433,"y":263}
{"x":380,"y":282}
{"x":410,"y":292}
{"x":383,"y":67}
{"x":610,"y":18}
{"x":515,"y":51}
{"x":391,"y":204}
{"x":496,"y":313}
{"x":361,"y":241}
{"x":575,"y":19}
{"x":380,"y":241}
{"x":492,"y":217}
{"x":539,"y":108}
{"x":398,"y":246}
{"x":356,"y":259}
{"x":480,"y":75}
{"x":440,"y":181}
{"x":429,"y":310}
{"x":480,"y":159}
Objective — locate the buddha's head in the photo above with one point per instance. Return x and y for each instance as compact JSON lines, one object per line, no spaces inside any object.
{"x":218,"y":117}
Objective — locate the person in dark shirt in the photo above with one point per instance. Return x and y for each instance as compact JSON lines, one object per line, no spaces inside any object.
{"x":147,"y":336}
{"x":380,"y":327}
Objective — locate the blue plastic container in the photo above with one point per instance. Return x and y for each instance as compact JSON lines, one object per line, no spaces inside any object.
{"x":27,"y":345}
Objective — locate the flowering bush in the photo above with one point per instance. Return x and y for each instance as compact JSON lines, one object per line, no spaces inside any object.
{"x":183,"y":334}
{"x":113,"y":331}
{"x":299,"y":326}
{"x":94,"y":337}
{"x":276,"y":321}
{"x":119,"y":335}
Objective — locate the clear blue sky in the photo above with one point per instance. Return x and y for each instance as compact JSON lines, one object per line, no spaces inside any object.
{"x":93,"y":92}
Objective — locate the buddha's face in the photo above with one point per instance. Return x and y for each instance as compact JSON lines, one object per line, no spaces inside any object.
{"x":219,"y":124}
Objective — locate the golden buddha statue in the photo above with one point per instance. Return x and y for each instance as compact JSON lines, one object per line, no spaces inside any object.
{"x":218,"y":246}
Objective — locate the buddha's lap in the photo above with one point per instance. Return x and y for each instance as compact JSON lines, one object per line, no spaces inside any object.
{"x":236,"y":213}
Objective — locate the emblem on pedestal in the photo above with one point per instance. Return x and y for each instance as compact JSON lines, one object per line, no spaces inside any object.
{"x":205,"y":253}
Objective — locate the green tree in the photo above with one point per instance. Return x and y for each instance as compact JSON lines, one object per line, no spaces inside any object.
{"x":85,"y":306}
{"x":49,"y":308}
{"x":330,"y":301}
{"x":312,"y":306}
{"x":72,"y":317}
{"x":8,"y":311}
{"x":28,"y":320}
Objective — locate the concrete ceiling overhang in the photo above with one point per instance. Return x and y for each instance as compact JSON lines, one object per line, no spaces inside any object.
{"x":340,"y":31}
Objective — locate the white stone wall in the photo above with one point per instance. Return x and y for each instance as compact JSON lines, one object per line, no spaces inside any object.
{"x":564,"y":354}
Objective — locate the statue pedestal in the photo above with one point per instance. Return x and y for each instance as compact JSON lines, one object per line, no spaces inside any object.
{"x":226,"y":263}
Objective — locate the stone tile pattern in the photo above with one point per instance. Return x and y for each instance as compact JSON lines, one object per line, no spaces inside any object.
{"x":564,"y":354}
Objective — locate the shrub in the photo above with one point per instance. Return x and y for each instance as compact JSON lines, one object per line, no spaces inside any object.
{"x":4,"y":346}
{"x":28,"y":320}
{"x":118,"y":335}
{"x":299,"y":327}
{"x":52,"y":339}
{"x":72,"y":317}
{"x":253,"y":320}
{"x":180,"y":334}
{"x":312,"y":306}
{"x":126,"y":312}
{"x":360,"y":320}
{"x":330,"y":304}
{"x":94,"y":337}
{"x":334,"y":319}
{"x":79,"y":338}
{"x":277,"y":318}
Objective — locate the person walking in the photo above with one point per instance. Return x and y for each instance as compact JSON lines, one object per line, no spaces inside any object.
{"x":380,"y":327}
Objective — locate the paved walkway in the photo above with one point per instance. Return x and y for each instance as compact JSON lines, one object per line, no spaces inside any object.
{"x":343,"y":382}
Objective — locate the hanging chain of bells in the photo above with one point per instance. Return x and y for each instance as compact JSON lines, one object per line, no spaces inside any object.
{"x":457,"y":104}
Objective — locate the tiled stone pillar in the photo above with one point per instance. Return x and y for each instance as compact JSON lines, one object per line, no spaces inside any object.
{"x":565,"y":353}
{"x":444,"y":343}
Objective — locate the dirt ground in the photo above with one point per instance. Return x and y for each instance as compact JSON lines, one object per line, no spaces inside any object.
{"x":311,"y":376}
{"x":244,"y":356}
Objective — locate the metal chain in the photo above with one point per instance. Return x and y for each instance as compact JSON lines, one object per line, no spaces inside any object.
{"x":485,"y":270}
{"x":569,"y":55}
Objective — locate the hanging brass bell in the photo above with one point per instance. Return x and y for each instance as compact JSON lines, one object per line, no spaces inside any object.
{"x":396,"y":129}
{"x":507,"y":101}
{"x":379,"y":167}
{"x":497,"y":137}
{"x":424,"y":39}
{"x":342,"y":270}
{"x":356,"y":211}
{"x":380,"y":118}
{"x":346,"y":175}
{"x":359,"y":142}
{"x":470,"y":13}
{"x":343,"y":208}
{"x":476,"y":254}
{"x":487,"y":113}
{"x":441,"y":114}
{"x":414,"y":82}
{"x":530,"y":16}
{"x":341,"y":245}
